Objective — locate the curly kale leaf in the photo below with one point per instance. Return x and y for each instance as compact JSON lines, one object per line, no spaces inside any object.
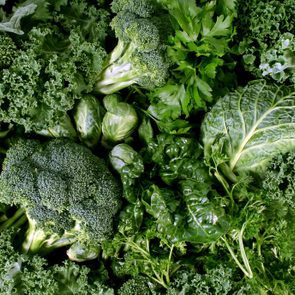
{"x":53,"y":65}
{"x":278,"y":62}
{"x":260,"y":27}
{"x":22,"y":274}
{"x":217,"y":280}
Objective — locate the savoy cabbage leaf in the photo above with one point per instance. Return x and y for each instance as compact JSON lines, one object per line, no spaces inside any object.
{"x":246,"y":128}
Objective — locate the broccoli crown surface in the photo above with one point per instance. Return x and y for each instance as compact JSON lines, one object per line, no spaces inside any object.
{"x":62,"y":186}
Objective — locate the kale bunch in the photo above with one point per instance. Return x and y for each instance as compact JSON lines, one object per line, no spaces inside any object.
{"x":266,"y":38}
{"x":51,"y":63}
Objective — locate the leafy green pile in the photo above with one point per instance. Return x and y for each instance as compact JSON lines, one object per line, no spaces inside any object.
{"x":147,"y":147}
{"x":266,"y":32}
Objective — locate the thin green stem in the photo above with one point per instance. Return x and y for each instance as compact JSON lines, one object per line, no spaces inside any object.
{"x":243,"y":252}
{"x":11,"y":221}
{"x":169,"y":264}
{"x":235,"y":258}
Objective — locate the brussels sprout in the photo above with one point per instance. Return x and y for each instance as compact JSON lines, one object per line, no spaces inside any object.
{"x":120,"y":120}
{"x":88,"y":118}
{"x":63,"y":129}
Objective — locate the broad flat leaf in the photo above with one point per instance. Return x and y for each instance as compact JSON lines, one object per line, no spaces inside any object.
{"x":250,"y":126}
{"x":205,"y":222}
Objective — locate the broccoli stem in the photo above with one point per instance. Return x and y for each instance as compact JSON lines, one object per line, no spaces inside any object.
{"x":18,"y":219}
{"x":38,"y":242}
{"x":119,"y":73}
{"x":34,"y":238}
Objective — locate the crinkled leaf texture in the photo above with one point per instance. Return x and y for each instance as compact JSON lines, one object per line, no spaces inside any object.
{"x":250,"y":126}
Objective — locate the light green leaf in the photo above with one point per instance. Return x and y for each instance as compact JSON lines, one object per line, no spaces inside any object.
{"x":221,"y":27}
{"x":250,"y":126}
{"x":13,"y":25}
{"x":204,"y":87}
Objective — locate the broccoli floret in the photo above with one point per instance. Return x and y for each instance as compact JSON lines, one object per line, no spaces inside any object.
{"x":135,"y":286}
{"x":68,"y":193}
{"x":140,"y":54}
{"x":143,"y":8}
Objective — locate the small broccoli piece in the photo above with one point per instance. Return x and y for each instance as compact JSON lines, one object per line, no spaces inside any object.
{"x":68,"y":194}
{"x":8,"y":50}
{"x":135,"y":286}
{"x":140,"y":54}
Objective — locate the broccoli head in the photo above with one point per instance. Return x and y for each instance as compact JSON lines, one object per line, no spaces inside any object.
{"x":140,"y":54}
{"x":68,"y":193}
{"x":135,"y":286}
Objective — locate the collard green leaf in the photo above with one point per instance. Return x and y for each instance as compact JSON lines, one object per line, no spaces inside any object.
{"x":250,"y":126}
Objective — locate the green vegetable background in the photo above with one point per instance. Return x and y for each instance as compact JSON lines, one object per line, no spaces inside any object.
{"x":147,"y":147}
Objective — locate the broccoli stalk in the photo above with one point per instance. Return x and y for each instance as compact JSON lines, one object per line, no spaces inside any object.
{"x":37,"y":241}
{"x":140,"y":54}
{"x":120,"y":72}
{"x":147,"y":69}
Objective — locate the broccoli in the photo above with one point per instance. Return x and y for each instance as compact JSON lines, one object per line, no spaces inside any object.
{"x":68,"y":194}
{"x":135,"y":286}
{"x":140,"y":54}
